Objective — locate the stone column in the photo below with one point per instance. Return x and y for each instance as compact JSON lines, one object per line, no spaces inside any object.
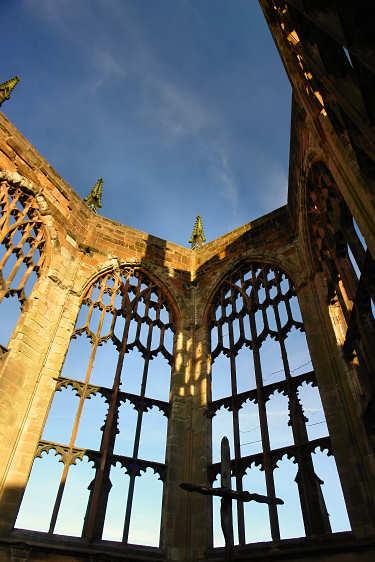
{"x":355,"y":462}
{"x":34,"y":359}
{"x":176,"y":531}
{"x":201,"y":510}
{"x":186,"y":523}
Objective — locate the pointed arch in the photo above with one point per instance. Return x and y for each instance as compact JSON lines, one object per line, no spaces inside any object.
{"x":258,"y":343}
{"x":126,"y":323}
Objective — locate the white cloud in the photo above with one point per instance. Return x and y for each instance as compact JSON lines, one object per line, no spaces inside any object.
{"x":107,"y":67}
{"x":177,"y":111}
{"x":227,"y":181}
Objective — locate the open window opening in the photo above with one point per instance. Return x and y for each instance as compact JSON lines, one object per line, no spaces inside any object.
{"x":22,"y":241}
{"x":108,"y":419}
{"x":266,"y":401}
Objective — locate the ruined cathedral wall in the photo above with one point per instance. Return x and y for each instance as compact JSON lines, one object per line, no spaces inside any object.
{"x":267,"y":239}
{"x":325,"y":326}
{"x":79,"y":246}
{"x":309,"y":146}
{"x":319,"y":94}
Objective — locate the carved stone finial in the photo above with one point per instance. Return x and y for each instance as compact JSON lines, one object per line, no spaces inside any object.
{"x":94,"y":198}
{"x":197,"y":236}
{"x":7,"y":87}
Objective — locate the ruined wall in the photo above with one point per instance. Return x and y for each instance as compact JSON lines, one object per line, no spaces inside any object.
{"x":332,"y":98}
{"x":80,"y":246}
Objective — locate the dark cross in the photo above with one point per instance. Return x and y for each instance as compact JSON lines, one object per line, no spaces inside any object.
{"x":226,"y":494}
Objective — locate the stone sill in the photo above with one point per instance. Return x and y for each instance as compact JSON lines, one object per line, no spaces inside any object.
{"x":298,"y":549}
{"x":33,"y":543}
{"x":39,"y":542}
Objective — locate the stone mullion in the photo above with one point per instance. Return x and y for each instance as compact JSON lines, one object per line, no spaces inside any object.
{"x":7,"y":230}
{"x":11,"y":205}
{"x":77,"y":419}
{"x":314,"y":511}
{"x":268,"y":469}
{"x":75,"y":428}
{"x":101,"y":485}
{"x":341,"y":407}
{"x":33,"y":246}
{"x":23,"y":281}
{"x":129,"y":503}
{"x":12,"y":250}
{"x":5,"y":208}
{"x":315,"y":516}
{"x":236,"y":433}
{"x":20,"y":260}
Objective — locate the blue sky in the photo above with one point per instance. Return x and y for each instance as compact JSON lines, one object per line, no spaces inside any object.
{"x":182,"y":106}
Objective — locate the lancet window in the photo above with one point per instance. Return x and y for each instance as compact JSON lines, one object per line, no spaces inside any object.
{"x":108,"y":419}
{"x":22,"y":242}
{"x":341,"y":253}
{"x":265,"y":398}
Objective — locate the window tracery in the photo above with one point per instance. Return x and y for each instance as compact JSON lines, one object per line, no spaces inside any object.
{"x":122,"y":314}
{"x":256,"y":306}
{"x":340,"y":252}
{"x":22,"y":243}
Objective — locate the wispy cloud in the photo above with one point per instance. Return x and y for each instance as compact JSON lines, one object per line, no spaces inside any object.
{"x":107,"y":66}
{"x":227,"y":185}
{"x":66,"y":16}
{"x":178,"y":111}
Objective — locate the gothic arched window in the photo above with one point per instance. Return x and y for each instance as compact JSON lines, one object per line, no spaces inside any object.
{"x":22,"y":243}
{"x":108,"y":419}
{"x":341,"y":253}
{"x":265,"y":399}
